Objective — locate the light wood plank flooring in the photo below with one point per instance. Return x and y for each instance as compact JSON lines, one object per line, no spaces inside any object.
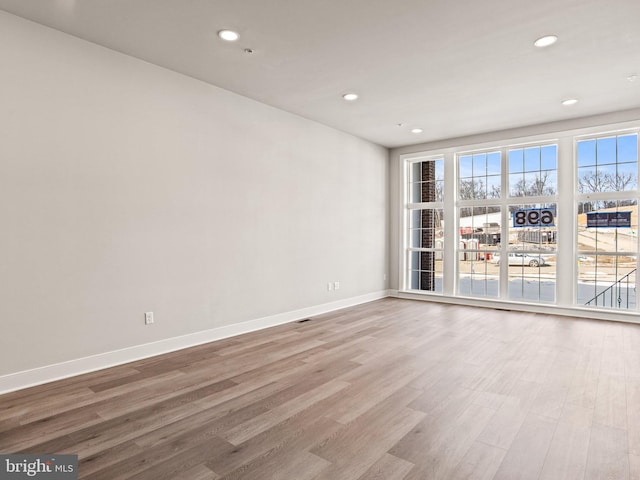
{"x":389,"y":390}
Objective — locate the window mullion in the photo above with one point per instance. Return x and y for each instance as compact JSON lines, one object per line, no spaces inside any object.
{"x":450,"y":225}
{"x":504,"y":228}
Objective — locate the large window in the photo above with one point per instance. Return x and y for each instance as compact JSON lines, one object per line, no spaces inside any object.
{"x":479,"y":219}
{"x":544,"y":221}
{"x":532,"y":239}
{"x":607,"y":221}
{"x":531,"y":252}
{"x":480,"y":176}
{"x":425,"y":225}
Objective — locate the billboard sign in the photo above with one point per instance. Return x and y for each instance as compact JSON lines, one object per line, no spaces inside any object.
{"x":609,"y":220}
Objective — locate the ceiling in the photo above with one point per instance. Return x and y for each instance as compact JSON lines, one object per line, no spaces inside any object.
{"x":452,"y":68}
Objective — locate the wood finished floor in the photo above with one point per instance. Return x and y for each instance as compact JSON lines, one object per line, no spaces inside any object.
{"x":389,"y":390}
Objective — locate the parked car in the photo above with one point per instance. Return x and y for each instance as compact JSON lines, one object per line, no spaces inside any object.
{"x":520,"y":259}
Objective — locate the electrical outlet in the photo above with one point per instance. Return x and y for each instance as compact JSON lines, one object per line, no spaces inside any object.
{"x":336,"y":285}
{"x":329,"y":286}
{"x":148,"y":318}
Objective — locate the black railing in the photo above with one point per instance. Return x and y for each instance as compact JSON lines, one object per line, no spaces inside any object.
{"x":614,"y":292}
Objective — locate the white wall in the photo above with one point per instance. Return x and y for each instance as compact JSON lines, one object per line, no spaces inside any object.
{"x":126,"y":188}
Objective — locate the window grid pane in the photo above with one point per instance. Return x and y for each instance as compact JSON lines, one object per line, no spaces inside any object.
{"x":478,"y":277}
{"x":606,"y":246}
{"x":608,"y":164}
{"x":607,"y":281}
{"x":478,"y":274}
{"x":479,"y":176}
{"x":533,"y":171}
{"x":531,"y":252}
{"x":426,"y":183}
{"x":426,"y":239}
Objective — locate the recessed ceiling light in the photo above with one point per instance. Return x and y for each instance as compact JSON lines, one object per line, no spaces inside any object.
{"x":632,"y":78}
{"x":416,"y":130}
{"x":228,"y":35}
{"x":350,"y":97}
{"x":570,"y":101}
{"x":545,"y":41}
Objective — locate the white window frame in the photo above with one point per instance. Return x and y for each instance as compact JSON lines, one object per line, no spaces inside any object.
{"x":504,"y":202}
{"x":567,"y":199}
{"x":604,"y":196}
{"x":413,"y":206}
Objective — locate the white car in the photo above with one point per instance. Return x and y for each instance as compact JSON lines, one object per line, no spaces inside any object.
{"x":520,"y":259}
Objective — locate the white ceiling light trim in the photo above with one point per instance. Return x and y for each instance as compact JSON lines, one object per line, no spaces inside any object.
{"x":546,"y":41}
{"x":350,"y":97}
{"x":569,"y":101}
{"x":416,"y":130}
{"x":228,"y":35}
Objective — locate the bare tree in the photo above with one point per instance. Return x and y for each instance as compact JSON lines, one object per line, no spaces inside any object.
{"x":620,"y":181}
{"x":519,"y":189}
{"x":593,"y":182}
{"x":494,"y":192}
{"x":472,"y":189}
{"x":469,"y":190}
{"x":542,"y":185}
{"x":590,"y":182}
{"x":440,"y":191}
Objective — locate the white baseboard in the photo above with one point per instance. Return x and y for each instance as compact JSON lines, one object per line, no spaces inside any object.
{"x":568,"y":311}
{"x":58,"y":371}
